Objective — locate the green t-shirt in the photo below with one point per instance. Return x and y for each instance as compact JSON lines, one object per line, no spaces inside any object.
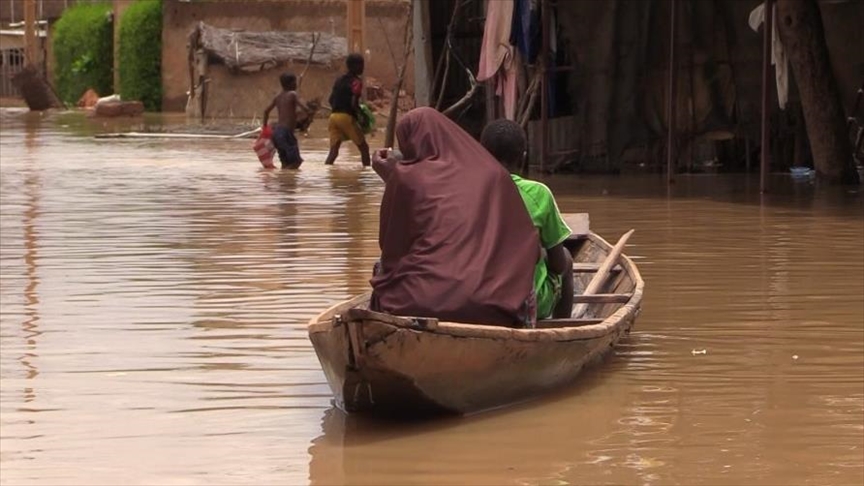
{"x":553,"y":231}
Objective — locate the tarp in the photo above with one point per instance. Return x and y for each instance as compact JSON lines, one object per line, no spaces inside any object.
{"x":257,"y":51}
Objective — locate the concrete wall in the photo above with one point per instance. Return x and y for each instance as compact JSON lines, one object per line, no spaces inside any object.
{"x":246,"y":95}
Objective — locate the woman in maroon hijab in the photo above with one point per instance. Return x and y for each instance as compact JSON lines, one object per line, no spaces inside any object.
{"x":456,"y":241}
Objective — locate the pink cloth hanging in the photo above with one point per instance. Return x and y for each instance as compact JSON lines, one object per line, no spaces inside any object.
{"x":497,"y":56}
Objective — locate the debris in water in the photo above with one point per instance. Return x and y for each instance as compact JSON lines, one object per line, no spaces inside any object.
{"x":699,"y":351}
{"x":794,"y":356}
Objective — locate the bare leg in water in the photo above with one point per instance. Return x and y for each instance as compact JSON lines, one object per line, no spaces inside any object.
{"x":364,"y":153}
{"x":334,"y":152}
{"x":564,"y":308}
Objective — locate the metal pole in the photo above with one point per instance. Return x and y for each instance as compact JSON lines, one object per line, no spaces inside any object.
{"x":673,"y":79}
{"x":544,"y":91}
{"x":767,"y":29}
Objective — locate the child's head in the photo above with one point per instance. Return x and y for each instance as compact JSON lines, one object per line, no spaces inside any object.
{"x":355,"y":64}
{"x":506,"y":141}
{"x":288,"y":81}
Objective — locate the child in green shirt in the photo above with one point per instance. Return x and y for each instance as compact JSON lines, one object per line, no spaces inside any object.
{"x":553,"y":275}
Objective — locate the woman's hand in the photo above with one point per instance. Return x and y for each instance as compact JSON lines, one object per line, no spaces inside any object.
{"x":383,"y":162}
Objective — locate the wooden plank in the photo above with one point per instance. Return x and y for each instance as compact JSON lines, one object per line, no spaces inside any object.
{"x":601,"y":298}
{"x":592,"y":267}
{"x":427,"y":323}
{"x":579,"y":223}
{"x":603,"y":273}
{"x":562,"y":323}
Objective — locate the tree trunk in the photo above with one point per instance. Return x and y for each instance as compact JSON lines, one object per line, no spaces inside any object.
{"x":803,"y":36}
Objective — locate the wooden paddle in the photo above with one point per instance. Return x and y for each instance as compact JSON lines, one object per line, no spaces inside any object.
{"x":599,"y":279}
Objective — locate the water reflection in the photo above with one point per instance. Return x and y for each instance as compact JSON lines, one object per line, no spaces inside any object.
{"x":519,"y":445}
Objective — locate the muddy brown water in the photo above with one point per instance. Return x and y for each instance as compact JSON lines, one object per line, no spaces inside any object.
{"x":155,"y":295}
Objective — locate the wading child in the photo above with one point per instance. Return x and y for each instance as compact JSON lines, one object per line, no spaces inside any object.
{"x":345,"y":115}
{"x":553,"y":275}
{"x":286,"y":103}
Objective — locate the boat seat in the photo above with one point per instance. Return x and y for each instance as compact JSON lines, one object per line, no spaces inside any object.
{"x":592,"y":268}
{"x":601,"y":298}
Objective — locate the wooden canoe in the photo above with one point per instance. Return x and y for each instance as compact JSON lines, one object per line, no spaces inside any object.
{"x":404,"y":366}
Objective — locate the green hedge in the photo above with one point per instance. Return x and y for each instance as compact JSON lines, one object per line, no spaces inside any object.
{"x":84,"y":51}
{"x":140,"y":53}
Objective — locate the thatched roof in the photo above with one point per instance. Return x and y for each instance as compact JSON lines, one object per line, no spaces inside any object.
{"x":257,"y":51}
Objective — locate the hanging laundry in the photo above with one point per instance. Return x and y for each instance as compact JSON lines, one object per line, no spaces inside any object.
{"x":520,"y":31}
{"x":497,"y":56}
{"x":778,"y":54}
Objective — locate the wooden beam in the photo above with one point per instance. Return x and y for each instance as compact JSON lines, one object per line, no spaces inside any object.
{"x":592,"y":267}
{"x":422,"y":53}
{"x":355,"y":27}
{"x":601,"y":298}
{"x":560,"y":323}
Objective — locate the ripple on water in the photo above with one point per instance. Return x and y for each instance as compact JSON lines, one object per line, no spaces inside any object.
{"x":155,"y":296}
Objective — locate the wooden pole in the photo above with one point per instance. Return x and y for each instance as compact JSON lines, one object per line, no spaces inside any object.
{"x":544,"y":88}
{"x":767,"y":28}
{"x":30,"y":37}
{"x":673,"y":80}
{"x":390,"y":133}
{"x":422,"y":49}
{"x":356,"y":26}
{"x":355,"y":29}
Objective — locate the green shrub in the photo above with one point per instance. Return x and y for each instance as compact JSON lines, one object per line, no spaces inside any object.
{"x":83,"y":41}
{"x":140,"y":53}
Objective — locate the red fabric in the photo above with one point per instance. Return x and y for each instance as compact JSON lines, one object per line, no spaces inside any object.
{"x":264,"y":148}
{"x":456,"y":240}
{"x":357,"y":87}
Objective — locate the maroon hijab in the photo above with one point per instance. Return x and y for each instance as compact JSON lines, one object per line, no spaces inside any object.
{"x":456,"y":241}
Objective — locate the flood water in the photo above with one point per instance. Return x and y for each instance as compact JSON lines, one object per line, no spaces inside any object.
{"x":155,"y":295}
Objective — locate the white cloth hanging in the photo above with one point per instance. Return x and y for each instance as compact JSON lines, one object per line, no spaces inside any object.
{"x":778,"y":55}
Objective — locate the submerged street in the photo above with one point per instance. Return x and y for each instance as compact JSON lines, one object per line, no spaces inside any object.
{"x":155,"y":293}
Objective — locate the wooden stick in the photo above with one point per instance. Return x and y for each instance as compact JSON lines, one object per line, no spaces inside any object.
{"x":465,"y":99}
{"x":172,"y":135}
{"x":455,"y":15}
{"x":247,"y":134}
{"x":315,"y":38}
{"x":443,"y":80}
{"x":529,"y":107}
{"x":525,"y":99}
{"x":390,"y":133}
{"x":387,"y":40}
{"x":600,"y":277}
